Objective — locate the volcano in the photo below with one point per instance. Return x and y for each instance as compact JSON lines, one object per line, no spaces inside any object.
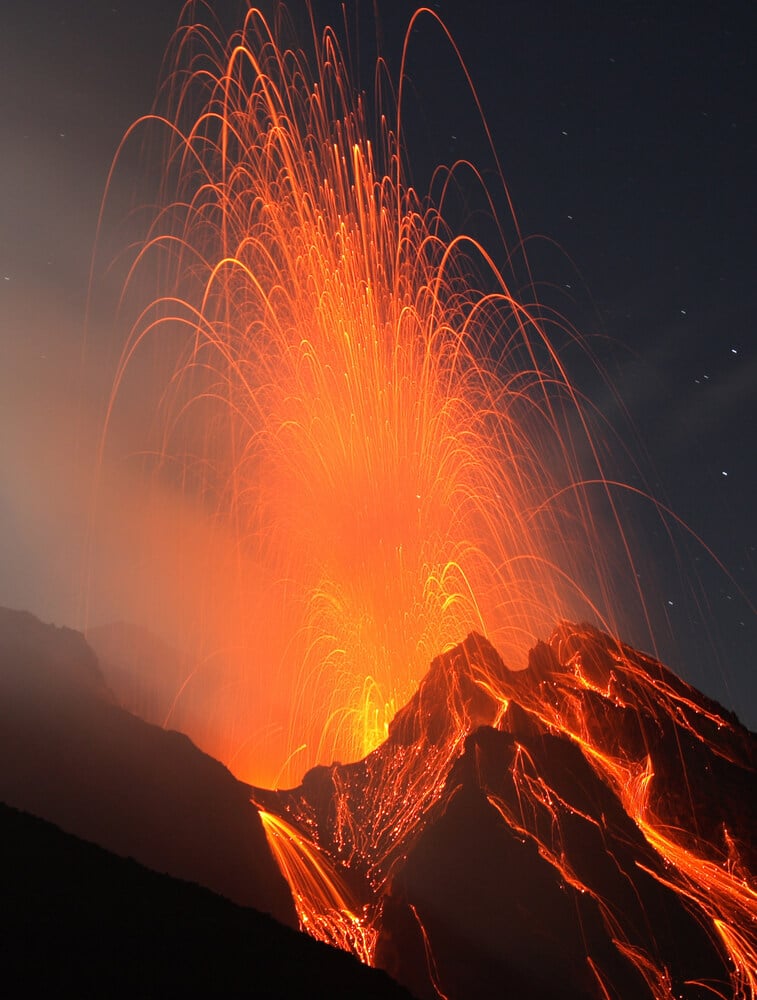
{"x":588,"y":821}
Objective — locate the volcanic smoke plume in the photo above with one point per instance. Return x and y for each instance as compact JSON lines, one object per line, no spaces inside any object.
{"x":389,"y":450}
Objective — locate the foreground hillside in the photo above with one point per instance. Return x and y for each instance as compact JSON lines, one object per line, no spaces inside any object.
{"x":78,"y":921}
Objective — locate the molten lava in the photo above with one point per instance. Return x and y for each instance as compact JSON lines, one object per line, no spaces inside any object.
{"x":387,"y":441}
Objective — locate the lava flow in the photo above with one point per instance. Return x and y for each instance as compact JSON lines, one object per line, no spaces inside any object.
{"x":390,"y":440}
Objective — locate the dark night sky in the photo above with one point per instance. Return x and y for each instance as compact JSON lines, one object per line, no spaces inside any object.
{"x":627,"y":134}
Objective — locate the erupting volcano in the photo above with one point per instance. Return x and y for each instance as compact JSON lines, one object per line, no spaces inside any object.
{"x":374,"y":412}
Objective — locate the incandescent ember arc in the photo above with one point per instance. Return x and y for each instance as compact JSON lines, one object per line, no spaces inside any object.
{"x":370,"y":411}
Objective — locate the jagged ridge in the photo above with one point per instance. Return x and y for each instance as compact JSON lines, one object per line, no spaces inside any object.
{"x":543,"y":815}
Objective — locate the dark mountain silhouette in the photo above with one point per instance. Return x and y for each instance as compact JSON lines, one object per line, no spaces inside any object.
{"x":69,"y":754}
{"x":78,"y":921}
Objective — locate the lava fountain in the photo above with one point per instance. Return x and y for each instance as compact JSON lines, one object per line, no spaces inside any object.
{"x":383,"y":434}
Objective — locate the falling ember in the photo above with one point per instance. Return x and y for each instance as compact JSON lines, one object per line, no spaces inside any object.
{"x":391,"y":454}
